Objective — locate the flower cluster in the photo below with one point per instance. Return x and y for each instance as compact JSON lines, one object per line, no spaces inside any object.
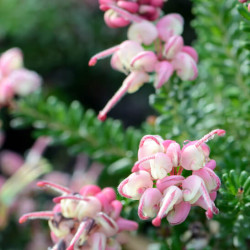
{"x":157,"y":181}
{"x":151,"y":50}
{"x":14,"y":78}
{"x":89,"y":219}
{"x":119,"y":13}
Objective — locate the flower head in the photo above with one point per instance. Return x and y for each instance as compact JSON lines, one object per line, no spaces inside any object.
{"x":89,"y":219}
{"x":14,"y":78}
{"x":157,"y":182}
{"x":153,"y":51}
{"x":119,"y":13}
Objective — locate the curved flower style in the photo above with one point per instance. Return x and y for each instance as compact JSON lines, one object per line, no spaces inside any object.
{"x":118,"y":13}
{"x":152,"y":50}
{"x":156,"y":179}
{"x":89,"y":219}
{"x":14,"y":78}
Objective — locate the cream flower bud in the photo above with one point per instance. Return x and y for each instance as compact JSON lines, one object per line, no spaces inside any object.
{"x":149,"y":203}
{"x":160,"y":166}
{"x":143,"y":32}
{"x":170,"y":25}
{"x":150,"y":145}
{"x":121,"y":59}
{"x":191,"y":188}
{"x":11,"y":60}
{"x":25,"y":81}
{"x":134,"y":186}
{"x":192,"y":157}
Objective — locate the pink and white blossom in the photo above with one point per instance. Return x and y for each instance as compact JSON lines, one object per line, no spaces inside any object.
{"x":14,"y":78}
{"x":153,"y":51}
{"x":158,"y":184}
{"x":82,"y":221}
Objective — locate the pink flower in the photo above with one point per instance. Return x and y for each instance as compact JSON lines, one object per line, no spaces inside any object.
{"x":144,"y":32}
{"x":149,"y":203}
{"x":169,"y":25}
{"x":149,"y":145}
{"x":24,"y":81}
{"x":179,"y":213}
{"x":173,"y":46}
{"x":185,"y":66}
{"x":190,"y":51}
{"x":168,"y":181}
{"x":114,"y":20}
{"x":164,"y":50}
{"x":159,"y":186}
{"x":164,"y":70}
{"x":134,"y":186}
{"x":194,"y":155}
{"x":10,"y":61}
{"x":172,"y":196}
{"x":14,"y":78}
{"x":173,"y":151}
{"x":80,"y":221}
{"x":211,"y":180}
{"x":144,"y":61}
{"x":129,"y":11}
{"x":194,"y":188}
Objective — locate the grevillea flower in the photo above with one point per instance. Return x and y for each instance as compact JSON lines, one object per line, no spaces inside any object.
{"x":89,"y":219}
{"x":119,"y":13}
{"x":14,"y":78}
{"x":157,"y":183}
{"x":153,"y":51}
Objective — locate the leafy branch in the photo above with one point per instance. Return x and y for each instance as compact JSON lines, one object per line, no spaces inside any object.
{"x":79,"y":130}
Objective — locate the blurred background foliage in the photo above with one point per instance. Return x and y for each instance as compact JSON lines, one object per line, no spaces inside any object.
{"x":58,"y":37}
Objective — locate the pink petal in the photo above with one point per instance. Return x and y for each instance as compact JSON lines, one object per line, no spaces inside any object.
{"x":179,"y":213}
{"x":164,"y":70}
{"x":90,"y":190}
{"x":144,"y":32}
{"x":144,"y":61}
{"x":185,"y":66}
{"x":169,"y":181}
{"x":173,"y":46}
{"x":191,"y":51}
{"x":149,"y":203}
{"x":192,"y":188}
{"x":10,"y":61}
{"x":134,"y":186}
{"x":126,"y":225}
{"x":172,"y":196}
{"x":170,"y":25}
